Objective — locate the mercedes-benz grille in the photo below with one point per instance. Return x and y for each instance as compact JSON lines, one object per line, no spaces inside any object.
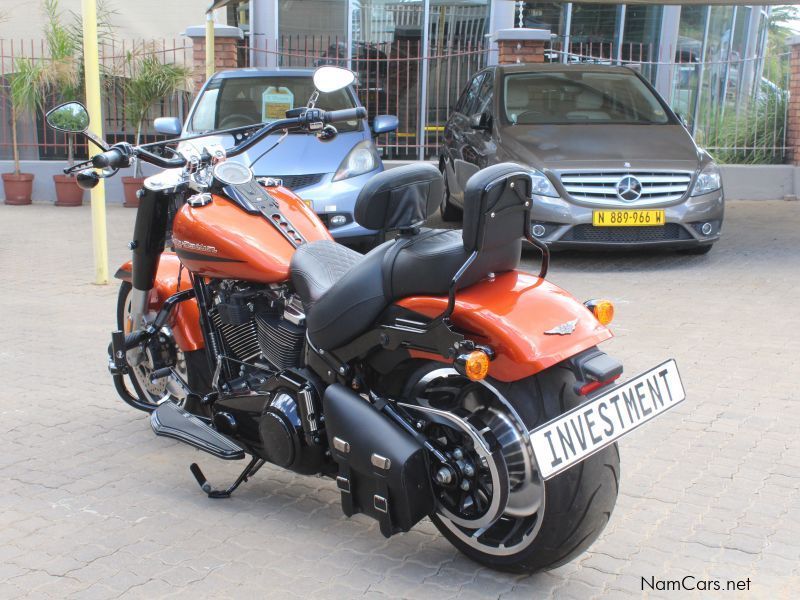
{"x":626,"y":188}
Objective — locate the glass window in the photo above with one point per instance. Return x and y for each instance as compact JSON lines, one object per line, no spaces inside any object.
{"x":642,"y":32}
{"x":244,"y":100}
{"x":304,"y":18}
{"x":594,"y":29}
{"x":575,"y":96}
{"x":471,"y":95}
{"x":543,"y":15}
{"x":484,"y":103}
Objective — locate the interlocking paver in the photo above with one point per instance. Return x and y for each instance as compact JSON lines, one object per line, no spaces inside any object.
{"x":94,"y":506}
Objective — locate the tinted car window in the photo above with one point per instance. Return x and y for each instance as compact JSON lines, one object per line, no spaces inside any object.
{"x":244,"y":100}
{"x":471,"y":95}
{"x":485,"y":94}
{"x":573,"y":96}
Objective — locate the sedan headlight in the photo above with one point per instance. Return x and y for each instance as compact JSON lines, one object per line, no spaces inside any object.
{"x":708,"y":181}
{"x":361,"y":159}
{"x":542,"y":185}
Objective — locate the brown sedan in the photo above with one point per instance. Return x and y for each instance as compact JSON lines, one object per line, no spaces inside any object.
{"x":612,"y":165}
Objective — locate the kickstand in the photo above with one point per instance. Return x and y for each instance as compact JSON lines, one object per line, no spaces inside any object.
{"x":251,"y":469}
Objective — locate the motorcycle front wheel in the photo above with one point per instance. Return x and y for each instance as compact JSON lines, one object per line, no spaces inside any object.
{"x":191,"y":366}
{"x":546,"y":523}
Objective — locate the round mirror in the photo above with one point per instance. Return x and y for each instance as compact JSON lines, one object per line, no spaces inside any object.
{"x":71,"y":117}
{"x":330,"y":79}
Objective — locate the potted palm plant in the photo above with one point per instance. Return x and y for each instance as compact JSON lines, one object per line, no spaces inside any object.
{"x":63,"y":78}
{"x":25,"y":94}
{"x":151,"y":81}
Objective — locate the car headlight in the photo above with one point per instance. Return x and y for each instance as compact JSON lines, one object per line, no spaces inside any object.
{"x":542,"y":185}
{"x":361,"y":159}
{"x":709,"y":180}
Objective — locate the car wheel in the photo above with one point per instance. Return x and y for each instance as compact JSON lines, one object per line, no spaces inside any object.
{"x":697,"y":250}
{"x":449,"y":211}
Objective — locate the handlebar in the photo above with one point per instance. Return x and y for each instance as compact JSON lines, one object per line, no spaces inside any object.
{"x":120,"y":156}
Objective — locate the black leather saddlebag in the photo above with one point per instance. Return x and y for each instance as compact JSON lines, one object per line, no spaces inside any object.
{"x":383,"y":470}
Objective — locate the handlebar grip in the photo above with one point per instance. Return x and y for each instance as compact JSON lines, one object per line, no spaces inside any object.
{"x":346,"y":114}
{"x":113,"y":158}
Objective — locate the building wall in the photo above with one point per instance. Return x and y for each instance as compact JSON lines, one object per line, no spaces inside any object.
{"x":139,"y":19}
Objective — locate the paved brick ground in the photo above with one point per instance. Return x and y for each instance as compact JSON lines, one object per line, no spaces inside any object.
{"x":92,"y":505}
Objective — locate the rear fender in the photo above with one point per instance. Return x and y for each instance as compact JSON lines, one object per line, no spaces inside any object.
{"x":185,"y":318}
{"x":511,"y":313}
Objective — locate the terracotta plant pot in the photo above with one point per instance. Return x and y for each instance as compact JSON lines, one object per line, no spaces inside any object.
{"x":67,"y":191}
{"x":18,"y":188}
{"x":131,"y":185}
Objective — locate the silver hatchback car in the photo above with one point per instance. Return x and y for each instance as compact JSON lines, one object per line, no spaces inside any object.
{"x":612,"y":165}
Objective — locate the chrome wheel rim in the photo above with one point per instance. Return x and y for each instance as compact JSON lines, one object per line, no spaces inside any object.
{"x":521,"y":520}
{"x":142,"y":365}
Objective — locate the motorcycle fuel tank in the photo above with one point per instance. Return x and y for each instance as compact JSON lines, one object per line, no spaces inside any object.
{"x":221,"y":240}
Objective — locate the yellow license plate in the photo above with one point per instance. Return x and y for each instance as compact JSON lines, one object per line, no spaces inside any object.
{"x":628,"y":218}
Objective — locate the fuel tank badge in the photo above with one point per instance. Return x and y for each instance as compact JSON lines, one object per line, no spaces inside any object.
{"x":184,"y":245}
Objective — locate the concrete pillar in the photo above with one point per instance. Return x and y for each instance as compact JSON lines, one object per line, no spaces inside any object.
{"x":793,"y":114}
{"x":225,"y":49}
{"x":501,"y":17}
{"x":520,"y":45}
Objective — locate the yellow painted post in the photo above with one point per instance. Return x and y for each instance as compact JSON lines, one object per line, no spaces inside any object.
{"x":93,"y":104}
{"x":209,"y":44}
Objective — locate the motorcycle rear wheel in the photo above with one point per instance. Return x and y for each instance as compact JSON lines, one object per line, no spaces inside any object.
{"x":576,"y":504}
{"x":192,"y":366}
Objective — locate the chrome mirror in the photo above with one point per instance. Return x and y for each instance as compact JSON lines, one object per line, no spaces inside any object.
{"x":330,"y":79}
{"x":70,"y":117}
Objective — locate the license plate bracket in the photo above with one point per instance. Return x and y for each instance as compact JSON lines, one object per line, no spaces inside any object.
{"x":599,"y":422}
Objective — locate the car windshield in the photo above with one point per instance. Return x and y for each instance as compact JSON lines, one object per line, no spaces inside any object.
{"x":237,"y":101}
{"x":573,"y":96}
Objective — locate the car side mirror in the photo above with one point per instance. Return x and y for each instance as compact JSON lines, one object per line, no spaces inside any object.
{"x":384,"y":124}
{"x":168,"y":125}
{"x":481,"y":121}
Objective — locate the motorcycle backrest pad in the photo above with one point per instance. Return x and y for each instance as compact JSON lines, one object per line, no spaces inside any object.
{"x":383,"y":470}
{"x":400,"y":198}
{"x":495,"y":213}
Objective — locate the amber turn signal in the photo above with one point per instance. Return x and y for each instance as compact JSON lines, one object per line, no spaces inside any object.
{"x":474,"y":365}
{"x":603,"y":310}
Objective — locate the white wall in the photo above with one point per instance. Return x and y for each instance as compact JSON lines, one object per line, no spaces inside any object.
{"x":135,"y":19}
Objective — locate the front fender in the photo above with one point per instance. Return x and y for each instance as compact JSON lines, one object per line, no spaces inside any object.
{"x":510,"y":313}
{"x":185,"y":318}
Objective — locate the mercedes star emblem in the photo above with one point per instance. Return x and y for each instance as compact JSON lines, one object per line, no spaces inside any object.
{"x":629,"y":188}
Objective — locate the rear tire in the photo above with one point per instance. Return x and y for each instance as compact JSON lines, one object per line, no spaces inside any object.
{"x":450,"y":212}
{"x":577,"y":503}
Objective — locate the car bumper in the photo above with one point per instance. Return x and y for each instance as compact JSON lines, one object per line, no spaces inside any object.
{"x":334,"y":200}
{"x":564,"y":224}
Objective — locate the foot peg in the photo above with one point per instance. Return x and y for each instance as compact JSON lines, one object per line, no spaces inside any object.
{"x":170,"y":420}
{"x":251,"y":469}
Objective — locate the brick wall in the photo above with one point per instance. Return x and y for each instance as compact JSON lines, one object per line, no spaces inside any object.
{"x":520,"y":51}
{"x":225,"y":50}
{"x":793,"y":116}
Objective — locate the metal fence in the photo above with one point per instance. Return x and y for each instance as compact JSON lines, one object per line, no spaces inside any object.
{"x":736,"y":108}
{"x":36,"y":141}
{"x":389,"y":80}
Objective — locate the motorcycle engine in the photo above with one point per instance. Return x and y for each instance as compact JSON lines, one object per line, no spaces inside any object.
{"x":272,"y":403}
{"x":260,"y":325}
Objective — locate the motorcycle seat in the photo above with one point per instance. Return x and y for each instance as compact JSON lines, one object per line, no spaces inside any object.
{"x":418,"y":262}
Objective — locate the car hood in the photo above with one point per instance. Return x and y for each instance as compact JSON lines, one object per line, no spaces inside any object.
{"x":559,"y":147}
{"x":298,"y":154}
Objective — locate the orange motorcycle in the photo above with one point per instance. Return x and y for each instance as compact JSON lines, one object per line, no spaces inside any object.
{"x":430,"y":377}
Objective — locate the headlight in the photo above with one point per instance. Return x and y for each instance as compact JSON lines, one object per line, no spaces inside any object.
{"x":708,"y":180}
{"x":361,"y":159}
{"x":542,"y":185}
